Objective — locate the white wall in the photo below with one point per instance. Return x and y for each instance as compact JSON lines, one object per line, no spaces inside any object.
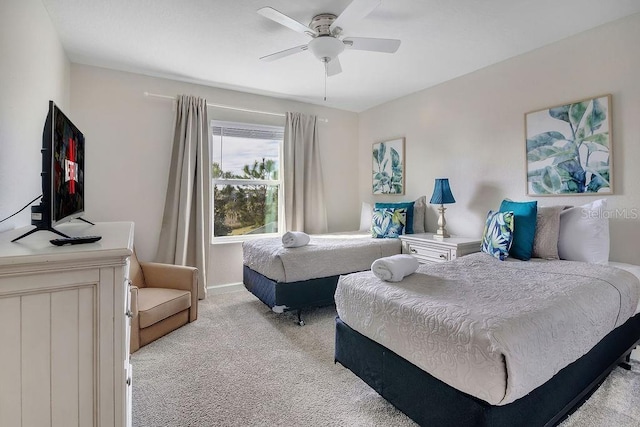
{"x":471,"y":129}
{"x":129,"y":137}
{"x":33,"y":70}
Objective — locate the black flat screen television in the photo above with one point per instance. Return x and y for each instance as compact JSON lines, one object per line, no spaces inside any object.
{"x":63,"y":160}
{"x":65,"y":183}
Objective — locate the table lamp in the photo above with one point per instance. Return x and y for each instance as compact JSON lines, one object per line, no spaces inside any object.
{"x":442,"y":196}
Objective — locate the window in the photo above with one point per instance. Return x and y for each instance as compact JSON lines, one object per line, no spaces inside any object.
{"x":246,"y":178}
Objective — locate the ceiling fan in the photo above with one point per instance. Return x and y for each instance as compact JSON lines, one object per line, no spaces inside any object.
{"x":326,"y":32}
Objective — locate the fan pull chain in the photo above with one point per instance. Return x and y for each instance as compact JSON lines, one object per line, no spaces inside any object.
{"x":326,"y":72}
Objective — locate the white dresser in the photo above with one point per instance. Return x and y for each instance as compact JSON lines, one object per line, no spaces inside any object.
{"x":64,"y":330}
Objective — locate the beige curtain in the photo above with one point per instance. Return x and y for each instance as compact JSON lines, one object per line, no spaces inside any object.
{"x":304,"y":208}
{"x":184,"y":237}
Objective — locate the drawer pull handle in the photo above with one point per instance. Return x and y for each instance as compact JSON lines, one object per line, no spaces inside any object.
{"x":413,"y":251}
{"x":443,"y":256}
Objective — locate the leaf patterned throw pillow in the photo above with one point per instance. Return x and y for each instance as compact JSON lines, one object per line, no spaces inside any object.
{"x":388,"y":222}
{"x":408,"y":227}
{"x":498,"y":234}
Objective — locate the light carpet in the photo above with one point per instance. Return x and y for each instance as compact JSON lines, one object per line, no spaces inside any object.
{"x":240,"y":364}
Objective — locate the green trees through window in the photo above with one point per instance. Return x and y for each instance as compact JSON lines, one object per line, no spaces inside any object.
{"x":246,"y":179}
{"x":246,"y":208}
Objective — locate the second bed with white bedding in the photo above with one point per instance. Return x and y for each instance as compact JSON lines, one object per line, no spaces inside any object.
{"x":492,"y":329}
{"x":326,"y":255}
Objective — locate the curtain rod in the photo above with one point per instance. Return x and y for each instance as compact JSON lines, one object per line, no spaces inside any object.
{"x":228,"y":107}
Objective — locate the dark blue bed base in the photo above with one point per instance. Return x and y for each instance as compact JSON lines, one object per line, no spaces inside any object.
{"x":430,"y":402}
{"x":292,"y":295}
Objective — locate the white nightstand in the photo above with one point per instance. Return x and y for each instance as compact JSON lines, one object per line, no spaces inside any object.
{"x":427,"y":249}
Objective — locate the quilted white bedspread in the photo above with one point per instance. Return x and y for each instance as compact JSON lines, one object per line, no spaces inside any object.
{"x":325,"y":255}
{"x":493,"y":329}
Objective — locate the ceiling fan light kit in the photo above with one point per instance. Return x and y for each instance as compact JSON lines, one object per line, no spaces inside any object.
{"x":326,"y":48}
{"x":326,"y":32}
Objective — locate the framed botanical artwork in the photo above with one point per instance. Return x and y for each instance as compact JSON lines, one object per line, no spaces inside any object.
{"x":568,"y":149}
{"x":388,"y":167}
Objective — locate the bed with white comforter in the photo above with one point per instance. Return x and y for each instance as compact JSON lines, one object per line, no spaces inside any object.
{"x":325,"y":255}
{"x":493,"y":329}
{"x":306,"y":276}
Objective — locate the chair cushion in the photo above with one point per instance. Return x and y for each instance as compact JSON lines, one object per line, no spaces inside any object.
{"x":156,"y":304}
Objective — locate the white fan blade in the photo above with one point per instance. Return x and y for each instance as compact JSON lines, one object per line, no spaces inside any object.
{"x":284,"y":53}
{"x":283,"y":19}
{"x":333,"y":67}
{"x":356,"y":10}
{"x":374,"y":45}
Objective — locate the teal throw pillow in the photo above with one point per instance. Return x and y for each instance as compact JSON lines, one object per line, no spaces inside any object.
{"x":525,"y":214}
{"x":498,"y":234}
{"x":399,"y":205}
{"x":388,"y":222}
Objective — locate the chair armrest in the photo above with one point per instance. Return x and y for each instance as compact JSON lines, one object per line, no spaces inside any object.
{"x":170,"y":276}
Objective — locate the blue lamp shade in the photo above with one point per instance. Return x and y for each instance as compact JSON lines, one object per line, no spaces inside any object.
{"x":442,"y":193}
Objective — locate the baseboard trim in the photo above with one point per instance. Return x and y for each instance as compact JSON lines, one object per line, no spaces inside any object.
{"x":226,"y":288}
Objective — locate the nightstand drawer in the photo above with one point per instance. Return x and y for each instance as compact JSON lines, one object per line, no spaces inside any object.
{"x":429,"y":254}
{"x":429,"y":249}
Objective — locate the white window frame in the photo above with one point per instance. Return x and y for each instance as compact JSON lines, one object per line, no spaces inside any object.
{"x":222,"y":181}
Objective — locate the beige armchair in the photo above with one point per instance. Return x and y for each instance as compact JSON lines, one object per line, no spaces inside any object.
{"x":164,"y":297}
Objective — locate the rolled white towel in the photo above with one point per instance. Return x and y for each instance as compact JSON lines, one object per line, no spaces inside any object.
{"x":295,"y":239}
{"x":394,"y":268}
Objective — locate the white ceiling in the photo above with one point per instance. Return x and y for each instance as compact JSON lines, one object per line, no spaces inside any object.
{"x":218,"y":42}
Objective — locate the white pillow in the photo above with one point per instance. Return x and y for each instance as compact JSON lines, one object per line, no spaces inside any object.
{"x":584,"y":233}
{"x":366,"y":217}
